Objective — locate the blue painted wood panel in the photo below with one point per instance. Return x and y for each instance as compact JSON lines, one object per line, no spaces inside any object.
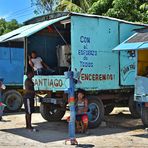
{"x":92,"y":42}
{"x":127,"y":58}
{"x":12,"y":65}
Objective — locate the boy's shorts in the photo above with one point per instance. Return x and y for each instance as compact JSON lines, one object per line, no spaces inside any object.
{"x":82,"y":117}
{"x":29,"y":104}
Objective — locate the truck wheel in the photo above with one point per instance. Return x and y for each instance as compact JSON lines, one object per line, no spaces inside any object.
{"x":51,"y":113}
{"x":134,"y":108}
{"x":95,"y":111}
{"x":144,"y":116}
{"x":13,"y":100}
{"x":108,"y":109}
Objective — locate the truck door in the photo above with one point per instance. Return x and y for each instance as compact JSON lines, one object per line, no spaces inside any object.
{"x":141,"y":80}
{"x":141,"y":89}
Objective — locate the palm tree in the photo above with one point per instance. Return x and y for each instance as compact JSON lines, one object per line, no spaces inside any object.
{"x":74,"y":5}
{"x":44,"y":6}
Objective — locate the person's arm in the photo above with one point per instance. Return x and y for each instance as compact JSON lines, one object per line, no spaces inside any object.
{"x":86,"y":106}
{"x":30,"y":62}
{"x":45,"y":65}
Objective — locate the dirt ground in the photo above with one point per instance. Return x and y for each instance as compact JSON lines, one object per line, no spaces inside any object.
{"x":118,"y":130}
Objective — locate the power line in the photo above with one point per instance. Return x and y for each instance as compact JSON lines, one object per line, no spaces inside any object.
{"x":19,"y":14}
{"x":18,"y":11}
{"x":23,"y":15}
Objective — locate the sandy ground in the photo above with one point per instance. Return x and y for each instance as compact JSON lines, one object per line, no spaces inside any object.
{"x":118,"y":130}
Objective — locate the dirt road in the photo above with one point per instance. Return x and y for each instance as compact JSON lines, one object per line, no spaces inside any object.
{"x":118,"y":130}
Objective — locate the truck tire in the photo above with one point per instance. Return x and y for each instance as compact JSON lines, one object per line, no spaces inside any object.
{"x":144,"y":116}
{"x":108,"y":109}
{"x":51,"y":113}
{"x":95,"y":111}
{"x":133,"y":107}
{"x":13,"y":100}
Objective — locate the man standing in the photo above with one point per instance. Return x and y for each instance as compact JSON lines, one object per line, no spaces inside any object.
{"x":29,"y":100}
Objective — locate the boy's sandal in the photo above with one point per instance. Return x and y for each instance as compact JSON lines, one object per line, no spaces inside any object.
{"x":34,"y":130}
{"x":74,"y":142}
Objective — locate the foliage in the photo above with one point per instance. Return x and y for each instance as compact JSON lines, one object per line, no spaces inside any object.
{"x":100,"y":7}
{"x":131,"y":10}
{"x":6,"y":27}
{"x":127,"y":9}
{"x":44,"y":6}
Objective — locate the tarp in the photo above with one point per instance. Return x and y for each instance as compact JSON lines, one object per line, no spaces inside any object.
{"x":28,"y":30}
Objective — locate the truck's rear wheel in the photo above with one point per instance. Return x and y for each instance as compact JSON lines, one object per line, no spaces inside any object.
{"x":144,"y":116}
{"x":133,"y":107}
{"x":95,"y":111}
{"x":51,"y":112}
{"x":13,"y":100}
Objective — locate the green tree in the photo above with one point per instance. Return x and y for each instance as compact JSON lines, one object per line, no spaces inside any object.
{"x":6,"y":27}
{"x":74,"y":5}
{"x":44,"y":6}
{"x":100,"y":7}
{"x":125,"y":9}
{"x":2,"y":26}
{"x":131,"y":10}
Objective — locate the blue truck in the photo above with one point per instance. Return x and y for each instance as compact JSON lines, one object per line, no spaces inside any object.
{"x":11,"y":63}
{"x":81,"y":43}
{"x":137,"y":44}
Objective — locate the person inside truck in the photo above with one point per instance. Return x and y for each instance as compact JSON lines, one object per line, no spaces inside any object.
{"x":81,"y":112}
{"x":39,"y":66}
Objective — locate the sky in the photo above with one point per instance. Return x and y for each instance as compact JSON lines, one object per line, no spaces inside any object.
{"x":20,"y":10}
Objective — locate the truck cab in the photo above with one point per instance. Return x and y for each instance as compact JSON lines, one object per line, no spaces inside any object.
{"x":138,"y":44}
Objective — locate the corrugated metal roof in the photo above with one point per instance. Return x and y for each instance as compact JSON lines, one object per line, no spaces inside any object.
{"x":139,"y":37}
{"x":107,"y":17}
{"x":138,"y":41}
{"x":15,"y":32}
{"x":93,"y":16}
{"x":28,"y":30}
{"x":45,"y":17}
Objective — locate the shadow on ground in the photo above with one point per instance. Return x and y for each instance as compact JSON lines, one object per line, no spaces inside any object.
{"x":85,"y":146}
{"x":56,"y":131}
{"x":21,"y":111}
{"x":125,"y":121}
{"x":142,"y":135}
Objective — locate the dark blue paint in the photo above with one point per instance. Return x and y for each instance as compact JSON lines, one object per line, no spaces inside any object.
{"x":12,"y":65}
{"x":45,"y":46}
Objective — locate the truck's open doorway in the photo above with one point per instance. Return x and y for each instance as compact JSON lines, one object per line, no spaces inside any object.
{"x":52,"y":44}
{"x":142,"y":65}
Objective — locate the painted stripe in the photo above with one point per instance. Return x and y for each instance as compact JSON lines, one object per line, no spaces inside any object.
{"x":28,"y":106}
{"x":71,"y":99}
{"x":71,"y":103}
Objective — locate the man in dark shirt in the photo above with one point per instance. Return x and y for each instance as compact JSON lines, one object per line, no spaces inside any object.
{"x":29,"y":99}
